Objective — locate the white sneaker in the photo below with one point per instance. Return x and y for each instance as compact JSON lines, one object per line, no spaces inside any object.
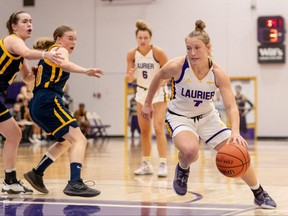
{"x":15,"y":188}
{"x":162,"y":172}
{"x":34,"y":141}
{"x":144,"y":169}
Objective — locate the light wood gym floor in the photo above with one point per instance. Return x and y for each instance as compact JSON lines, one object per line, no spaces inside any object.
{"x":110,"y":163}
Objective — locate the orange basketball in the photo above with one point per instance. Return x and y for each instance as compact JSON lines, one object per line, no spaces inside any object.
{"x":232,"y":160}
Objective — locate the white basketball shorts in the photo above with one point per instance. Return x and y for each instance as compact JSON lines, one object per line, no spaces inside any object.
{"x":209,"y":127}
{"x":160,"y":96}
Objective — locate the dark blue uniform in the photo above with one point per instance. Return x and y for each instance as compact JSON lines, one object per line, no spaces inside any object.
{"x":47,"y":107}
{"x":10,"y":65}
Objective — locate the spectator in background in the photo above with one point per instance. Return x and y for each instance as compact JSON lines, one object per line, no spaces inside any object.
{"x":68,"y":101}
{"x":80,"y":115}
{"x":16,"y":114}
{"x":25,"y":92}
{"x":133,"y":119}
{"x":242,"y":101}
{"x":32,"y":132}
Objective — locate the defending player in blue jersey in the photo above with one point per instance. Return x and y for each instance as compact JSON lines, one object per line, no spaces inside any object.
{"x":48,"y":110}
{"x":13,"y":58}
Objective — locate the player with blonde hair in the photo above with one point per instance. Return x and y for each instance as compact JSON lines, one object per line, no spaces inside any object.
{"x":47,"y":109}
{"x":143,"y":63}
{"x":191,"y":113}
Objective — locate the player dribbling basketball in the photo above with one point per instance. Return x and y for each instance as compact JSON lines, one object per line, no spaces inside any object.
{"x":191,"y":112}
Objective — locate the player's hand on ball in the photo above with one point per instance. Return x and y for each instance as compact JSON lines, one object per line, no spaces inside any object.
{"x":94,"y":72}
{"x":238,"y":139}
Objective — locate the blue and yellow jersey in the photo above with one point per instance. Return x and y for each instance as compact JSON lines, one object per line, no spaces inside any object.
{"x":10,"y":65}
{"x":50,"y":76}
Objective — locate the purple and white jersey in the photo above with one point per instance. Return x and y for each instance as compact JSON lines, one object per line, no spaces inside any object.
{"x":190,"y":96}
{"x":147,"y":67}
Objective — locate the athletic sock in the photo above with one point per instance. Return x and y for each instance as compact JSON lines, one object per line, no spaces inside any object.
{"x":182,"y":168}
{"x":75,"y":171}
{"x":46,"y":161}
{"x":257,"y":191}
{"x":147,"y":159}
{"x":10,"y":176}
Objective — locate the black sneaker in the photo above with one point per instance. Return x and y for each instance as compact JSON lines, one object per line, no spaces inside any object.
{"x":15,"y":188}
{"x":78,"y":188}
{"x":36,"y":181}
{"x":180,"y":180}
{"x":265,"y":201}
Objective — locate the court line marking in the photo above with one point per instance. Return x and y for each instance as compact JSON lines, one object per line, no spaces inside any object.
{"x":127,"y":206}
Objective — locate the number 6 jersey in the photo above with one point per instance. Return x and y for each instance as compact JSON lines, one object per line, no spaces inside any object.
{"x":147,"y":67}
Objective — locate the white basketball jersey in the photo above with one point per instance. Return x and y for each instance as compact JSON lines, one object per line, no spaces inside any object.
{"x":147,"y":67}
{"x":190,"y":96}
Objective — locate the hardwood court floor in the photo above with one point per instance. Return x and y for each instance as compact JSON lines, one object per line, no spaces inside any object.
{"x":111,"y":163}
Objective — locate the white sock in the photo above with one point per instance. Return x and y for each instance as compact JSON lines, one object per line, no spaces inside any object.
{"x":185,"y":168}
{"x":10,"y":170}
{"x":147,"y":159}
{"x":255,"y":187}
{"x":50,"y":156}
{"x":162,"y":160}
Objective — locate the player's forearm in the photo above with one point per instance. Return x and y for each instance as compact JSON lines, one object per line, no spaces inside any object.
{"x":72,"y":67}
{"x":233,"y":115}
{"x":32,"y":54}
{"x":153,"y":88}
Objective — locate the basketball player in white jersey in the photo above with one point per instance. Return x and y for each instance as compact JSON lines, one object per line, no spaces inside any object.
{"x":142,"y":63}
{"x":191,"y":112}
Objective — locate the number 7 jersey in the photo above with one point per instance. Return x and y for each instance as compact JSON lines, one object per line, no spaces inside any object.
{"x":190,"y":96}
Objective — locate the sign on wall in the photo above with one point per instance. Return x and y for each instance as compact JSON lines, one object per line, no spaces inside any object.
{"x":271,"y":54}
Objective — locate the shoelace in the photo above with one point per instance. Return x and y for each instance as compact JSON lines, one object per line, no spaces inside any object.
{"x":21,"y":184}
{"x":162,"y":165}
{"x":183,"y":176}
{"x":145,"y":165}
{"x":266,"y":196}
{"x":80,"y":184}
{"x":93,"y":183}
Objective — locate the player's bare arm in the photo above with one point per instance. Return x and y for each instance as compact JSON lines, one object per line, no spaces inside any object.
{"x":223,"y":82}
{"x":130,"y":66}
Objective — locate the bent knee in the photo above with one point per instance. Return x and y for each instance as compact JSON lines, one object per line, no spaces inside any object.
{"x":190,"y":154}
{"x":16,"y":136}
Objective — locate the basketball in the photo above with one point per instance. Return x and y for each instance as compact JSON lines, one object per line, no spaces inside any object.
{"x":232,"y":160}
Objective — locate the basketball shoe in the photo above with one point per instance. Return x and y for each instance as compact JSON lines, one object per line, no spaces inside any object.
{"x":78,"y":188}
{"x":15,"y":188}
{"x":180,"y":180}
{"x":162,"y":172}
{"x":144,"y":169}
{"x":36,"y":181}
{"x":265,"y":201}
